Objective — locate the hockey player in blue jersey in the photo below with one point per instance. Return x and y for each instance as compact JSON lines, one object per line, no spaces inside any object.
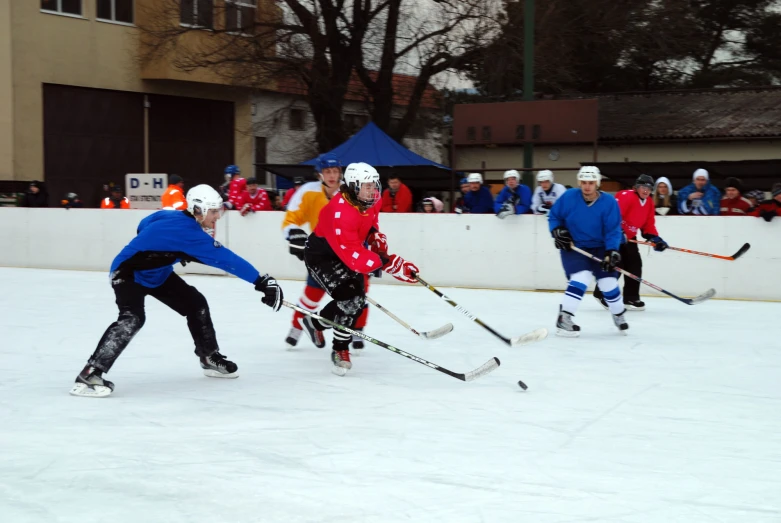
{"x":591,"y":220}
{"x":145,"y":268}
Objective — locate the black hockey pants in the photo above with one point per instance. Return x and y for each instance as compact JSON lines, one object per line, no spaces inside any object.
{"x":630,"y":262}
{"x":174,"y":292}
{"x":345,"y":286}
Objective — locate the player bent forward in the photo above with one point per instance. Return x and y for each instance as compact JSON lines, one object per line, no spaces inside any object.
{"x":337,"y":259}
{"x":591,"y":220}
{"x":145,"y":268}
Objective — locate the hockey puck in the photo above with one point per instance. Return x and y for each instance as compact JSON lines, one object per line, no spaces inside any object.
{"x":522,"y":385}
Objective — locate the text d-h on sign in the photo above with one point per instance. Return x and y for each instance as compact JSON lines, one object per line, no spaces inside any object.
{"x":145,"y":190}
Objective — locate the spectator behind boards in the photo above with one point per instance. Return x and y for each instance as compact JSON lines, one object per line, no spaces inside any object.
{"x":665,"y":202}
{"x":515,"y":198}
{"x":115,"y":200}
{"x":546,"y":193}
{"x":771,"y":208}
{"x":36,"y":195}
{"x":173,"y":197}
{"x":479,"y":199}
{"x":431,"y":205}
{"x":699,"y":198}
{"x":459,"y":206}
{"x":397,"y":197}
{"x":733,"y":203}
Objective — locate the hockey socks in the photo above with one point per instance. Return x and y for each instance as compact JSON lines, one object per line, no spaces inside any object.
{"x":308,"y":301}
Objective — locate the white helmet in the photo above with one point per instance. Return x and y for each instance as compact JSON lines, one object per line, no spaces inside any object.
{"x":512,"y":173}
{"x":356,"y":175}
{"x":590,"y":173}
{"x":545,"y":176}
{"x":203,"y":198}
{"x":474,"y":178}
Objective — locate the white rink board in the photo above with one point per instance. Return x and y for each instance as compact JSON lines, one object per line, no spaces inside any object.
{"x":676,"y":422}
{"x":466,"y":251}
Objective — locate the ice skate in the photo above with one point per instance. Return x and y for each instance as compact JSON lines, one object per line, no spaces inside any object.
{"x":621,"y":323}
{"x":565,"y":326}
{"x":315,"y":335}
{"x":292,"y":337}
{"x":91,"y":384}
{"x":216,"y":366}
{"x":634,"y":305}
{"x":358,"y":345}
{"x":341,"y":361}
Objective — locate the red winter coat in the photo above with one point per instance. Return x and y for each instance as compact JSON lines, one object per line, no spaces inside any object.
{"x":767,"y":205}
{"x":288,"y":195}
{"x":402,"y":200}
{"x":636,"y":215}
{"x":236,"y":187}
{"x":735,"y":206}
{"x":346,"y":229}
{"x":247,"y":202}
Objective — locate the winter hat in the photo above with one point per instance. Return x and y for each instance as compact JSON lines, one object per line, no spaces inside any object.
{"x":664,"y":180}
{"x":734,"y":182}
{"x":700,"y":172}
{"x":438,"y":206}
{"x":174,"y":179}
{"x":776,"y":189}
{"x":756,"y":194}
{"x":35,"y":183}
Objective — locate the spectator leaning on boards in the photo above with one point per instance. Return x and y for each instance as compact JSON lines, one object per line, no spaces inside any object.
{"x":699,"y":198}
{"x":479,"y":199}
{"x":515,"y":198}
{"x":733,"y":203}
{"x":665,"y":201}
{"x":771,"y":208}
{"x":397,"y":197}
{"x":173,"y":197}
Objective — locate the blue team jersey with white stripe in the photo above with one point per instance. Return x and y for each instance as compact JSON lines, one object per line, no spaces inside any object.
{"x":165,"y":238}
{"x":595,"y":225}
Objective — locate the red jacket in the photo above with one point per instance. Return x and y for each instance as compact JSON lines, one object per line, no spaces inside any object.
{"x":767,"y":205}
{"x":636,"y":215}
{"x":346,"y":229}
{"x":236,"y":187}
{"x":247,"y":202}
{"x":402,"y":200}
{"x":288,"y":195}
{"x":735,"y":206}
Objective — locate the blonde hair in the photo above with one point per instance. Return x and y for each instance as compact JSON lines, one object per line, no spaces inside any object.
{"x":658,"y":199}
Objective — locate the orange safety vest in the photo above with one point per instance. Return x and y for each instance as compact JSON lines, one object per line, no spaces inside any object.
{"x":107,"y":203}
{"x":173,"y":198}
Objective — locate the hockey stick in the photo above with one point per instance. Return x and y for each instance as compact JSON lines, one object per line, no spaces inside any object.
{"x":429,"y":335}
{"x":710,"y":293}
{"x":482,"y":370}
{"x":741,"y":251}
{"x":529,"y":337}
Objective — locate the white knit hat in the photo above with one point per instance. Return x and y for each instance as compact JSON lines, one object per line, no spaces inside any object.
{"x":700,"y":172}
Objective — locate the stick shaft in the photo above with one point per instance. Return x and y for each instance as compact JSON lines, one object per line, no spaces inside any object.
{"x":689,"y":251}
{"x":396,"y":318}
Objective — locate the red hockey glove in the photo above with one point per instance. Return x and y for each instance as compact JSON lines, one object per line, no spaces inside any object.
{"x":378,"y":243}
{"x":400,"y":269}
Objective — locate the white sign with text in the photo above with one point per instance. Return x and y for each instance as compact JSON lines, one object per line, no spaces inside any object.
{"x":145,"y":190}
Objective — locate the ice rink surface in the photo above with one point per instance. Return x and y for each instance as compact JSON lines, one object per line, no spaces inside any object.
{"x":678,"y":422}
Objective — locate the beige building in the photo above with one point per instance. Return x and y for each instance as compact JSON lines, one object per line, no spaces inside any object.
{"x":78,"y":110}
{"x":730,"y":132}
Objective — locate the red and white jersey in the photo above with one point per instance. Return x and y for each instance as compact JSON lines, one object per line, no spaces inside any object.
{"x":735,"y":206}
{"x":256,"y":202}
{"x":346,"y":228}
{"x":236,"y":187}
{"x":636,"y":214}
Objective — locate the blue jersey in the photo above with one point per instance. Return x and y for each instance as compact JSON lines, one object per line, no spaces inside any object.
{"x":595,"y":225}
{"x":167,"y":237}
{"x":479,"y":202}
{"x":520,"y":198}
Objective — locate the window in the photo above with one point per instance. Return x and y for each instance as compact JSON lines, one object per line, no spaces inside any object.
{"x":116,"y":10}
{"x":197,"y":13}
{"x":536,"y":131}
{"x":487,"y":132}
{"x":297,"y":119}
{"x":240,"y":16}
{"x":415,"y":131}
{"x":520,"y":132}
{"x":471,"y":133}
{"x":355,"y":122}
{"x":66,"y":7}
{"x":260,"y":159}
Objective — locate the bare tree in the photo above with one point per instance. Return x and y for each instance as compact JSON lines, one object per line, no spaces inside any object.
{"x":317,"y":47}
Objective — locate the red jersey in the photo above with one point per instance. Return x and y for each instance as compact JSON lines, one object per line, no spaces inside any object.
{"x":258,"y":202}
{"x":735,"y":206}
{"x":236,"y":187}
{"x":345,"y":228}
{"x":636,"y":214}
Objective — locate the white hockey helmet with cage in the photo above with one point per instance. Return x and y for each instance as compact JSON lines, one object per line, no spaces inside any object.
{"x":546,"y":175}
{"x":590,"y":173}
{"x":363,"y":182}
{"x":203,"y":198}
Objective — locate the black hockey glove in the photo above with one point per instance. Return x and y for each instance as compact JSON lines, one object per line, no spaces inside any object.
{"x":562,"y":238}
{"x":767,"y":215}
{"x":297,"y":239}
{"x":612,"y":259}
{"x":659,"y":243}
{"x":272,"y":291}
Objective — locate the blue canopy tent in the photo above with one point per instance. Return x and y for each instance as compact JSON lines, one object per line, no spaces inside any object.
{"x":371,"y":145}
